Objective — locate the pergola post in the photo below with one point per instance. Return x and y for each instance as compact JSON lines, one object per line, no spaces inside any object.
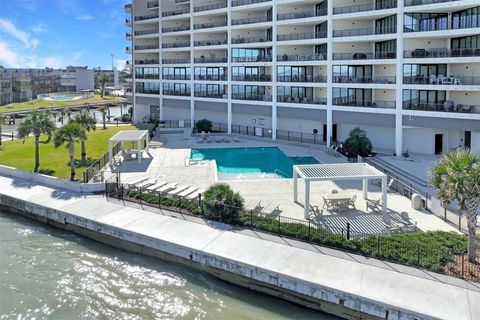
{"x":295,"y":185}
{"x":147,"y":143}
{"x":384,"y":194}
{"x":307,"y":199}
{"x":365,"y":188}
{"x":139,"y":151}
{"x":110,"y":153}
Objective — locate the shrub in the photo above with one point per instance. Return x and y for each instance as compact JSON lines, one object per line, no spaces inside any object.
{"x":203,"y":125}
{"x":358,"y":144}
{"x":222,"y":203}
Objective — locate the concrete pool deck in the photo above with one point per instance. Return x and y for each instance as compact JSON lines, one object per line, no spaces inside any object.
{"x":169,"y":164}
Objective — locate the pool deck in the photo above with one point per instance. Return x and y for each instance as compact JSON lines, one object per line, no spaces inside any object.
{"x":169,"y":164}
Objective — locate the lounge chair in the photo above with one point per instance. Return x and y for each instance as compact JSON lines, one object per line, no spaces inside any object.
{"x":271,"y":209}
{"x":255,"y":206}
{"x":373,"y":205}
{"x":408,"y":224}
{"x":155,"y":186}
{"x":351,"y":202}
{"x":167,"y":187}
{"x":316,"y":211}
{"x":195,"y":194}
{"x":187,"y":191}
{"x":146,"y":183}
{"x":136,"y":181}
{"x":177,"y":190}
{"x":327,"y":204}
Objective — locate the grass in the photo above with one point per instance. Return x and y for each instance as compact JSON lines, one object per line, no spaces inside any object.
{"x":40,"y":104}
{"x":54,"y":161}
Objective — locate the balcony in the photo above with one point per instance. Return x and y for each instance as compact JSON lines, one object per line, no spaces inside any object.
{"x":175,"y":29}
{"x":302,"y":78}
{"x":301,"y":15}
{"x":211,"y":77}
{"x":252,"y":59}
{"x":175,"y":61}
{"x":210,"y":25}
{"x":145,"y":32}
{"x":176,"y":77}
{"x":176,"y":45}
{"x":146,"y":17}
{"x":175,"y":12}
{"x":447,"y":106}
{"x":208,"y":94}
{"x":148,"y":91}
{"x":147,"y":76}
{"x":147,"y":47}
{"x":366,"y":80}
{"x":147,"y":61}
{"x":382,"y":5}
{"x":181,"y":1}
{"x":251,"y":96}
{"x":237,"y":22}
{"x":364,"y":55}
{"x":128,"y":7}
{"x":128,"y":50}
{"x":441,"y":80}
{"x":249,"y":40}
{"x":210,"y":60}
{"x":441,"y":26}
{"x":349,"y":102}
{"x":409,"y":3}
{"x":252,"y":77}
{"x":152,"y":4}
{"x":301,"y":36}
{"x":182,"y":93}
{"x":210,"y":43}
{"x":302,"y":57}
{"x":364,"y":32}
{"x":210,"y":7}
{"x":441,"y":53}
{"x":237,"y":3}
{"x":301,"y":100}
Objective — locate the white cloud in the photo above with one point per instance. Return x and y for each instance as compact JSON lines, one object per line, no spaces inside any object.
{"x":84,"y":17}
{"x":120,"y":64}
{"x":8,"y":27}
{"x":7,"y":56}
{"x":39,"y":28}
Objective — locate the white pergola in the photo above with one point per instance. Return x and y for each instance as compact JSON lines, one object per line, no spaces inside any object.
{"x":336,"y":172}
{"x":130,"y":136}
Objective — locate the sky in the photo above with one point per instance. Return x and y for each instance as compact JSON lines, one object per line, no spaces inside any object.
{"x":58,"y":33}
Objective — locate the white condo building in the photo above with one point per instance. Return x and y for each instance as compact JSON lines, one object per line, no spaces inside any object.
{"x":406,"y":71}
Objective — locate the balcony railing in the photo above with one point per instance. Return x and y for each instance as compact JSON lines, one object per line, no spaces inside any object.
{"x":175,"y":12}
{"x":447,"y":106}
{"x":175,"y":29}
{"x":381,"y":5}
{"x":250,"y":40}
{"x":364,"y":55}
{"x":253,"y":59}
{"x":175,"y":61}
{"x":147,"y":76}
{"x":346,"y":101}
{"x":301,"y":36}
{"x":251,"y":96}
{"x":237,"y":3}
{"x":441,"y":53}
{"x":146,"y":17}
{"x":146,"y":47}
{"x":210,"y":25}
{"x":252,"y":77}
{"x":207,"y":94}
{"x":211,"y":77}
{"x":375,"y":80}
{"x":148,"y":91}
{"x":422,"y":2}
{"x":237,"y":22}
{"x":128,"y":34}
{"x":152,"y":4}
{"x":441,"y":26}
{"x":176,"y":77}
{"x":181,"y":1}
{"x":364,"y":31}
{"x":145,"y":32}
{"x":211,"y":7}
{"x":210,"y":60}
{"x":302,"y":57}
{"x":147,"y":61}
{"x":210,"y":43}
{"x":302,"y":78}
{"x":441,"y":80}
{"x":182,"y":93}
{"x":301,"y":15}
{"x":176,"y":45}
{"x":301,"y":100}
{"x":128,"y":6}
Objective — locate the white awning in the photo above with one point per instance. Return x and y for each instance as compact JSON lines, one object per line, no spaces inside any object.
{"x":129,"y":135}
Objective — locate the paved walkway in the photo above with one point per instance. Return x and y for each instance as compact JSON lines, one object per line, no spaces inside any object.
{"x":427,"y":294}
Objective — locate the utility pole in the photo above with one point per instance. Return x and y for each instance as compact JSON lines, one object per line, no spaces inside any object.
{"x":112,"y":60}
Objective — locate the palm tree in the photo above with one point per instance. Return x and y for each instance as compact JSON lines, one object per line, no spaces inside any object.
{"x":104,"y":111}
{"x":3,"y":119}
{"x":88,"y":122}
{"x":456,"y":177}
{"x":358,"y":144}
{"x":103,"y":78}
{"x":37,"y":124}
{"x":68,"y":135}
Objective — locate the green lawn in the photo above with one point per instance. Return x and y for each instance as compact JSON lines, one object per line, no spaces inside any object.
{"x":37,"y":104}
{"x":54,"y":161}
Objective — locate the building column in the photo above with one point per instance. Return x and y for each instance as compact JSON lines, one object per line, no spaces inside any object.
{"x":307,"y":199}
{"x":274,"y":70}
{"x":399,"y":82}
{"x":384,"y":194}
{"x":329,"y":123}
{"x":365,"y":188}
{"x":229,"y":67}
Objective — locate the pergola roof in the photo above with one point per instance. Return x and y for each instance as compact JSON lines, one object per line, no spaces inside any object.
{"x":337,"y":171}
{"x":129,"y":135}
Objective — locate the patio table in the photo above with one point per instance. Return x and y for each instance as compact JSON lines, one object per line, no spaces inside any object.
{"x":338,"y":201}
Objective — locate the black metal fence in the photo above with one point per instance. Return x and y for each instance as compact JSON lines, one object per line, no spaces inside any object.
{"x":96,"y":167}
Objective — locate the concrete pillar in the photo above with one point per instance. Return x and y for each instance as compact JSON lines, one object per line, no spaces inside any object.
{"x":147,"y":142}
{"x":307,"y":199}
{"x":274,"y":71}
{"x":139,"y":151}
{"x":384,"y":194}
{"x":399,"y":81}
{"x":229,"y":116}
{"x":365,"y":188}
{"x":295,"y":186}
{"x":110,"y":152}
{"x":329,"y":73}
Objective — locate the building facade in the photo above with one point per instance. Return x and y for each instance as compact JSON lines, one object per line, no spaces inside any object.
{"x":112,"y":77}
{"x":406,"y":71}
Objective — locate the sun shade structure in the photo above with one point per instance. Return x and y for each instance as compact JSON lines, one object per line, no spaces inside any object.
{"x":130,"y":136}
{"x":337,"y":172}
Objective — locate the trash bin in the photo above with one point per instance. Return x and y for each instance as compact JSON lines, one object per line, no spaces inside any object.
{"x":416,"y":201}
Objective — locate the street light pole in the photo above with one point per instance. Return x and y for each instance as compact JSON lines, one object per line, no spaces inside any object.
{"x":112,"y":60}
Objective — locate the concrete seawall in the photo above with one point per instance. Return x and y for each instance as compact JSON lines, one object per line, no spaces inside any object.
{"x":349,"y":289}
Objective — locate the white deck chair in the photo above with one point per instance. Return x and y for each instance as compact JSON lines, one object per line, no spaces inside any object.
{"x":136,"y":181}
{"x":195,"y":194}
{"x":187,"y":191}
{"x":155,"y":186}
{"x":271,"y":209}
{"x":177,"y":190}
{"x":167,"y":187}
{"x":145,"y":184}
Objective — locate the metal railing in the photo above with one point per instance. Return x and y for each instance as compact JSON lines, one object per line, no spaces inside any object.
{"x":364,"y":55}
{"x":147,"y":61}
{"x":210,"y":43}
{"x":94,"y":172}
{"x":371,"y":79}
{"x":210,"y":60}
{"x":302,"y":78}
{"x":208,"y":94}
{"x":302,"y":57}
{"x":237,"y":3}
{"x":380,"y":5}
{"x":211,"y":77}
{"x":210,"y":25}
{"x":442,"y":107}
{"x":175,"y":61}
{"x":249,"y":40}
{"x":176,"y":93}
{"x":210,"y":7}
{"x":145,"y":32}
{"x":152,"y":4}
{"x":146,"y":17}
{"x":301,"y":15}
{"x":175,"y":12}
{"x":148,"y":91}
{"x":175,"y":29}
{"x":252,"y":59}
{"x":349,"y":102}
{"x":441,"y":25}
{"x":173,"y":124}
{"x":146,"y":47}
{"x":176,"y":45}
{"x":147,"y":76}
{"x":301,"y":100}
{"x":301,"y":36}
{"x":423,"y":2}
{"x":436,"y":80}
{"x":236,"y":22}
{"x":251,"y":96}
{"x":252,"y":77}
{"x":176,"y":77}
{"x":442,"y":53}
{"x":364,"y":31}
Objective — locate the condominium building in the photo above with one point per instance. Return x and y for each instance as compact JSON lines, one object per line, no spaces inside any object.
{"x":406,"y":71}
{"x":112,"y":77}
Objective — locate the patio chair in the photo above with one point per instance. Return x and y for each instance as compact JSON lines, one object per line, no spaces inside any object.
{"x":351,"y":202}
{"x":177,"y":190}
{"x":167,"y":187}
{"x":408,"y":224}
{"x":327,"y":204}
{"x":155,"y":186}
{"x":195,"y":194}
{"x":255,"y":206}
{"x":316,"y":211}
{"x":271,"y":210}
{"x":146,"y":183}
{"x":187,"y":191}
{"x":374,"y":205}
{"x":136,"y":181}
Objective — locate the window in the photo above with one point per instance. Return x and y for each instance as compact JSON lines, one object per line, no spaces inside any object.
{"x":471,"y":42}
{"x":386,"y":25}
{"x":469,"y":18}
{"x":425,"y":22}
{"x":352,"y":96}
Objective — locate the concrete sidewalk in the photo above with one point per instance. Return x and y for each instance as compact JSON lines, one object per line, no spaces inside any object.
{"x":344,"y":280}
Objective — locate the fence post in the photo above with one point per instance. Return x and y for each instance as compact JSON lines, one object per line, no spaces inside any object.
{"x":418,"y":254}
{"x":159,"y":200}
{"x":426,"y":201}
{"x":378,"y":245}
{"x":309,"y":237}
{"x":251,"y":217}
{"x":13,"y":136}
{"x":348,"y":230}
{"x":463,"y":265}
{"x":279,"y":226}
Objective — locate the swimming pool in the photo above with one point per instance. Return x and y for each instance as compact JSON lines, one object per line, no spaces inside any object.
{"x":250,"y":163}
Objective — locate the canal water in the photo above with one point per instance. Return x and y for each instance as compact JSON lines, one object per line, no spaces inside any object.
{"x":47,"y":273}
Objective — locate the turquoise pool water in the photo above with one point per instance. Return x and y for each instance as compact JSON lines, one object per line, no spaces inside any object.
{"x":253,"y":161}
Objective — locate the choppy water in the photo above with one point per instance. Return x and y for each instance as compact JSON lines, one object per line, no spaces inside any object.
{"x":46,"y":273}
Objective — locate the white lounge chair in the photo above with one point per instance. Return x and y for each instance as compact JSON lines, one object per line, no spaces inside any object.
{"x":255,"y":206}
{"x":271,"y":209}
{"x":167,"y":187}
{"x":374,"y":205}
{"x":187,"y":191}
{"x":195,"y":194}
{"x":136,"y":181}
{"x":155,"y":186}
{"x":145,"y":184}
{"x":177,"y":190}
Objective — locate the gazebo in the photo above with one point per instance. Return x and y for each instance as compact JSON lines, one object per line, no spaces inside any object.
{"x":337,"y":172}
{"x":130,"y":136}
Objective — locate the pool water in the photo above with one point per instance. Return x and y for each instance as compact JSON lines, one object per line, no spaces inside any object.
{"x":238,"y":163}
{"x":66,"y":97}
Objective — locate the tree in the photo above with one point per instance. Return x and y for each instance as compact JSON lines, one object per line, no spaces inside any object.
{"x":68,"y":135}
{"x":87,"y":122}
{"x":222,"y":203}
{"x":203,"y":125}
{"x":103,"y":78}
{"x":3,"y":119}
{"x":358,"y":144}
{"x":456,"y":177}
{"x":104,"y":111}
{"x":37,"y":124}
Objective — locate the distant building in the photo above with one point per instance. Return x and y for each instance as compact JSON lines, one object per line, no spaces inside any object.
{"x":112,"y":77}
